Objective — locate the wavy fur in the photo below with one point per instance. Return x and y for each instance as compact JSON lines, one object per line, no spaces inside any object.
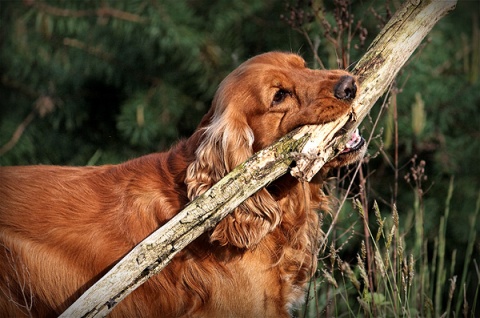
{"x":62,"y":228}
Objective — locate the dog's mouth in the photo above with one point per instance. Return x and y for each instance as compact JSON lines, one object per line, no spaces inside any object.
{"x":355,"y":143}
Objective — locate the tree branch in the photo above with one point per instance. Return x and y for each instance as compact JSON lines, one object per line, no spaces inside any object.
{"x":311,"y":146}
{"x":376,"y":70}
{"x":104,"y":11}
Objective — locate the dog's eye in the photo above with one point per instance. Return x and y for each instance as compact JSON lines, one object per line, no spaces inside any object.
{"x":280,"y":96}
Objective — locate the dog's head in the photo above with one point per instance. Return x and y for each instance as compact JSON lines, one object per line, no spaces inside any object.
{"x":262,"y":100}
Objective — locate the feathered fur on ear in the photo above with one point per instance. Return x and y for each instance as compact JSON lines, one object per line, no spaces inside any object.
{"x":226,"y":142}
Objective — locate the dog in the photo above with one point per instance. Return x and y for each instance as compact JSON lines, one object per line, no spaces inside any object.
{"x":62,"y":228}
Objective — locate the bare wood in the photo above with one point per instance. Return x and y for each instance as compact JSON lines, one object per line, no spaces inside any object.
{"x":376,"y":70}
{"x":311,"y":146}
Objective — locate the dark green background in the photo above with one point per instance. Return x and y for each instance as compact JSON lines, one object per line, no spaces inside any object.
{"x":119,"y":79}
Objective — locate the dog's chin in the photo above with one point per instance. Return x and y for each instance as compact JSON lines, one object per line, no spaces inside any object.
{"x":353,"y":152}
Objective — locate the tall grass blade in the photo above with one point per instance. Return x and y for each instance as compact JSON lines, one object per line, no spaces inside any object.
{"x":441,"y":273}
{"x":468,"y":254}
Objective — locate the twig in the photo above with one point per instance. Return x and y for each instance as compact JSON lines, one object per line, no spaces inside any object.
{"x":101,"y":12}
{"x":17,"y":134}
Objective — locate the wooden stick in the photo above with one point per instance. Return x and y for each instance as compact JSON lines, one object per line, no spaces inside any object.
{"x":311,"y":146}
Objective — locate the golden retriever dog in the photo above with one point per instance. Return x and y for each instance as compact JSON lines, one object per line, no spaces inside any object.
{"x":62,"y":228}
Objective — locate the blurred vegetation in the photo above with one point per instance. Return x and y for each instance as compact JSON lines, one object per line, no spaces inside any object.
{"x":94,"y":82}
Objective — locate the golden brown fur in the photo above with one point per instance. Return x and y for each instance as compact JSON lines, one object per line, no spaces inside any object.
{"x":62,"y":228}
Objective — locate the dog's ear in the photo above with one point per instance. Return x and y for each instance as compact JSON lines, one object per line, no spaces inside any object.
{"x":227,"y":142}
{"x":249,"y":222}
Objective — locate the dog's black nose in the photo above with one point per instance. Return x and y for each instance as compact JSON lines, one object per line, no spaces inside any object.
{"x":345,"y":88}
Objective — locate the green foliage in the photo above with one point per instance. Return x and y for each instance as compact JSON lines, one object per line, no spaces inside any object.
{"x":93,"y":82}
{"x":122,"y":77}
{"x":388,"y":277}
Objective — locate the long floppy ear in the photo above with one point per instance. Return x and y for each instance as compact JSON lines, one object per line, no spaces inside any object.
{"x":226,"y":142}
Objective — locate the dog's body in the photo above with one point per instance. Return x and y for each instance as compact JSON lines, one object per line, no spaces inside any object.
{"x":62,"y":228}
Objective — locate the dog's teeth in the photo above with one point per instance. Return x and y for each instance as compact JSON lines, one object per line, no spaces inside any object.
{"x":354,"y":141}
